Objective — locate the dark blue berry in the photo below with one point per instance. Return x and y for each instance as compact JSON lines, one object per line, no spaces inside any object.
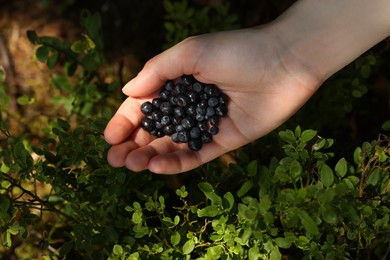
{"x":184,"y":136}
{"x":200,"y":110}
{"x":165,"y":120}
{"x":203,"y":125}
{"x":146,"y":107}
{"x":179,"y":128}
{"x":157,"y":115}
{"x":191,"y":110}
{"x":221,"y":110}
{"x":214,"y":130}
{"x":187,"y":79}
{"x":210,"y":112}
{"x":206,"y":137}
{"x":188,"y":122}
{"x":166,"y":108}
{"x":213,"y":101}
{"x":199,"y":117}
{"x":165,"y":94}
{"x":176,"y":120}
{"x":223,"y":99}
{"x":175,"y":137}
{"x":193,"y":96}
{"x":147,"y":124}
{"x":195,"y":144}
{"x":197,"y":87}
{"x":179,"y":89}
{"x":179,"y":111}
{"x":169,"y":129}
{"x":195,"y":132}
{"x":214,"y":120}
{"x":211,"y":90}
{"x":158,"y":125}
{"x":183,"y":100}
{"x":157,"y":102}
{"x":169,"y":85}
{"x":172,"y":100}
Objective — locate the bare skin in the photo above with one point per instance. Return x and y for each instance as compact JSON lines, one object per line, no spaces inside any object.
{"x":268,"y":72}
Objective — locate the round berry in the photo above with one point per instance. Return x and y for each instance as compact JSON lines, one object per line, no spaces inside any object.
{"x":169,"y":129}
{"x":206,"y":137}
{"x":213,"y":101}
{"x":157,"y":115}
{"x":175,"y":137}
{"x":146,"y":107}
{"x":169,"y":85}
{"x":183,"y":100}
{"x":210,"y":112}
{"x":157,"y":102}
{"x":188,"y":122}
{"x":184,"y":136}
{"x":188,"y":79}
{"x":197,"y":87}
{"x":166,"y":108}
{"x":221,"y":110}
{"x":195,"y":132}
{"x":195,"y":144}
{"x":191,"y":110}
{"x":165,"y":120}
{"x":147,"y":124}
{"x":179,"y":89}
{"x":214,"y":130}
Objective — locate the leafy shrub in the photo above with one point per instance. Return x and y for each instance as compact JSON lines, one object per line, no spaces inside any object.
{"x":59,"y":197}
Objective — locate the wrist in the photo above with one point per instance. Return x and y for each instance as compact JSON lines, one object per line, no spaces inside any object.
{"x":324,"y":36}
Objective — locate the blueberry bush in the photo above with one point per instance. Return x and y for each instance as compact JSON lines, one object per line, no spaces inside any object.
{"x":318,"y":187}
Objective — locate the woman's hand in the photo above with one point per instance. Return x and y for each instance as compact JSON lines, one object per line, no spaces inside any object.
{"x":265,"y":89}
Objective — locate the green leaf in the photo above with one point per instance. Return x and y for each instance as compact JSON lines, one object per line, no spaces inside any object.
{"x":326,"y":175}
{"x":175,"y":238}
{"x":32,"y":37}
{"x":307,"y":135}
{"x":51,"y":62}
{"x":308,"y":223}
{"x":117,"y":250}
{"x":42,"y":53}
{"x":298,"y":132}
{"x":63,"y":124}
{"x":252,"y":168}
{"x":7,"y":242}
{"x":208,"y":211}
{"x":230,"y":200}
{"x":188,"y":247}
{"x":137,"y":217}
{"x":282,"y":242}
{"x":341,"y":167}
{"x":254,"y":253}
{"x":275,"y":254}
{"x":245,"y":188}
{"x":25,"y":100}
{"x":78,"y":47}
{"x":295,"y":170}
{"x":287,"y":136}
{"x":205,"y":187}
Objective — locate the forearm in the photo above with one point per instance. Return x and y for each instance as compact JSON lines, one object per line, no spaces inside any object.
{"x":326,"y":35}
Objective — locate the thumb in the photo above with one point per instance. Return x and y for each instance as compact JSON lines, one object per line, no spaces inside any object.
{"x":170,"y":64}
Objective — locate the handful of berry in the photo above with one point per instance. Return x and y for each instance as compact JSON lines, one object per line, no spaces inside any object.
{"x":187,"y":110}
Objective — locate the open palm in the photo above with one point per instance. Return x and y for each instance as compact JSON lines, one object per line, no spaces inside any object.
{"x":264,"y":82}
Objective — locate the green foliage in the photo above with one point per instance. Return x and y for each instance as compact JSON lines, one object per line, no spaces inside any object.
{"x":59,"y":196}
{"x":183,"y":20}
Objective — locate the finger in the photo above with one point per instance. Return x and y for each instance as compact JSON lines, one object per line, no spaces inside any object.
{"x":116,"y":155}
{"x":138,"y":159}
{"x":124,"y":122}
{"x":170,"y":64}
